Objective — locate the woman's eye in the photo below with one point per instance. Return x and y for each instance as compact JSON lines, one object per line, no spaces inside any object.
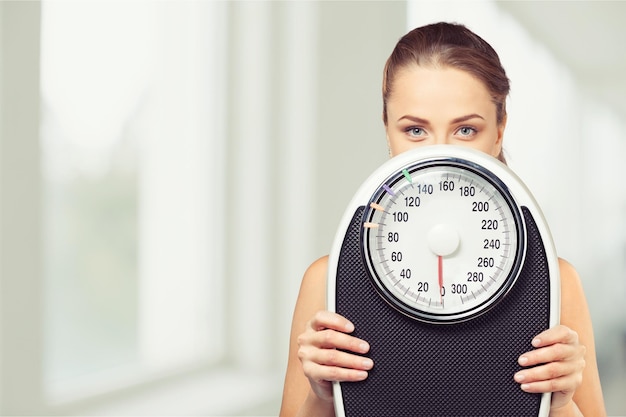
{"x":467,"y":131}
{"x":415,"y":131}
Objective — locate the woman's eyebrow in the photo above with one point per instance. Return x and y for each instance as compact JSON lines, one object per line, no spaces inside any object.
{"x":466,"y":118}
{"x":460,"y":119}
{"x":414,"y":119}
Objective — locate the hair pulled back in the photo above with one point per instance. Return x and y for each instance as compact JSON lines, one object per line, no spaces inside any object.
{"x":449,"y":45}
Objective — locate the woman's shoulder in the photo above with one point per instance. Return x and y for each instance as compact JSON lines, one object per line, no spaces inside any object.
{"x":567,"y":269}
{"x":317,"y":270}
{"x":315,"y":274}
{"x":570,"y":280}
{"x":312,"y":295}
{"x":574,"y":309}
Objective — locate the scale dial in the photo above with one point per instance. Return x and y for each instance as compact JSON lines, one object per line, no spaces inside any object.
{"x":443,"y":240}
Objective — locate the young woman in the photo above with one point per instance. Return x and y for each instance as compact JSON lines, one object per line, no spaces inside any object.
{"x":442,"y":84}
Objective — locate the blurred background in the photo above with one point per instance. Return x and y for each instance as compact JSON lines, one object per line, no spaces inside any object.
{"x":168,"y":170}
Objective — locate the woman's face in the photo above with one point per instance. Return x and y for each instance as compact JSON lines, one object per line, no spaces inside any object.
{"x":431,"y":106}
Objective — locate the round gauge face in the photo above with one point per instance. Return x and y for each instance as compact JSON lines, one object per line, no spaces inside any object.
{"x":443,"y":240}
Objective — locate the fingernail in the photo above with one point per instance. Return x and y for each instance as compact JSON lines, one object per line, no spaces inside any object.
{"x":520,"y":377}
{"x":536,"y":342}
{"x":349,"y":327}
{"x":364,"y":347}
{"x":368,"y":363}
{"x":525,"y":387}
{"x":362,"y":375}
{"x":523,"y":360}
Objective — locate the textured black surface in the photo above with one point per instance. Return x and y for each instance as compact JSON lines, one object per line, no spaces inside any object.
{"x":427,"y":370}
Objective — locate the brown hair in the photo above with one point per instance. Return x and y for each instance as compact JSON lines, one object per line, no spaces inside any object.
{"x":449,"y":45}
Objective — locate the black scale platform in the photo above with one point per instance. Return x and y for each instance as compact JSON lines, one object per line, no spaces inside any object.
{"x":447,"y":370}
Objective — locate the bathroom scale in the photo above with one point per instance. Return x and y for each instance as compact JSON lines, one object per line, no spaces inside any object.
{"x":446,"y":266}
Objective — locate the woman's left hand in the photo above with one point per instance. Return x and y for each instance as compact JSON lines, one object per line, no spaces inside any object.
{"x":555,"y":365}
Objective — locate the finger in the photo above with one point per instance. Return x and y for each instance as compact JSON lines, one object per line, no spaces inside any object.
{"x":553,"y":353}
{"x":338,"y":358}
{"x":330,"y":339}
{"x":329,"y":320}
{"x":547,"y":372}
{"x":557,"y":334}
{"x":563,"y":384}
{"x":334,"y":373}
{"x":555,"y":344}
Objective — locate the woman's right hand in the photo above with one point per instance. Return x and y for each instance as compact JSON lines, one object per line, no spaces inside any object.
{"x":329,"y":353}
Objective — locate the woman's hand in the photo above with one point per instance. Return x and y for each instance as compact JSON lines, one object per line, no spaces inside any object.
{"x":328,"y":353}
{"x":556,"y":365}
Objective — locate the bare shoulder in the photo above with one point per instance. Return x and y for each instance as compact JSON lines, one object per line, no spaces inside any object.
{"x":317,"y":270}
{"x":573,"y":301}
{"x":568,"y":271}
{"x":313,"y":287}
{"x":312,"y":295}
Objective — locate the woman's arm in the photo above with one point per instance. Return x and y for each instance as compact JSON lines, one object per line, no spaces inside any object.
{"x":310,"y":300}
{"x":318,"y":351}
{"x":564,"y":359}
{"x":575,"y":315}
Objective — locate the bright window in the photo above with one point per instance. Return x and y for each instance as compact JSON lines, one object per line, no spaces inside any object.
{"x":130,"y":149}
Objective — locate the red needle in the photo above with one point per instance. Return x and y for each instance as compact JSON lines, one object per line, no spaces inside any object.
{"x":440,"y":259}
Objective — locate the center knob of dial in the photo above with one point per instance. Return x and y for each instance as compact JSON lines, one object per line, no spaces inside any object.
{"x":443,"y":239}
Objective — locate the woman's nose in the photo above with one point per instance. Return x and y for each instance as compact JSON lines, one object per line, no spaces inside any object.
{"x":440,"y":140}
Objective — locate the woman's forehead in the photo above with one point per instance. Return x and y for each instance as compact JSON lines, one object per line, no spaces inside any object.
{"x":439,"y":91}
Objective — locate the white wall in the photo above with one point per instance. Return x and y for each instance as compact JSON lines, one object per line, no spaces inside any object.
{"x":20,"y":225}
